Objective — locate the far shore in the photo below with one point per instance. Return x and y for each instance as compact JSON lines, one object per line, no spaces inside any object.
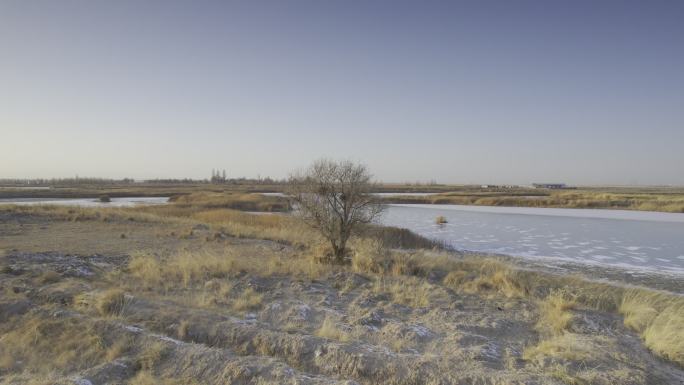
{"x":662,"y":199}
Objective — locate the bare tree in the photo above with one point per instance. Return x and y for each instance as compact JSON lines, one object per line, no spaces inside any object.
{"x":333,"y":198}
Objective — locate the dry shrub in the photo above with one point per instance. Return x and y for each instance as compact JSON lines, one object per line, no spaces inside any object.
{"x":112,"y":302}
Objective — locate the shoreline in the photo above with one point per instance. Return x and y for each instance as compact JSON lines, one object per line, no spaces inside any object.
{"x":613,"y":275}
{"x":652,"y":277}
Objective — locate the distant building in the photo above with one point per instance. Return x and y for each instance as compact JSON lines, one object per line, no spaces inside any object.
{"x":550,"y":185}
{"x":497,"y":186}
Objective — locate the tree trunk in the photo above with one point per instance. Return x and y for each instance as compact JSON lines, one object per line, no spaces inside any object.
{"x":339,"y":254}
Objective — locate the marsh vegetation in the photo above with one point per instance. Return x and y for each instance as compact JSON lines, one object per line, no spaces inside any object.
{"x":643,"y":199}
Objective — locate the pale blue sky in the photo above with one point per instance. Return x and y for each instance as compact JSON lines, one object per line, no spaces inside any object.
{"x":583,"y":92}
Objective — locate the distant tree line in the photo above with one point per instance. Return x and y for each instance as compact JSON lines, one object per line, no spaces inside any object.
{"x":64,"y":181}
{"x":217,"y":177}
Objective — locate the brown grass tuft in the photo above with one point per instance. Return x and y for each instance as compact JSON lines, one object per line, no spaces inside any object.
{"x":112,"y":302}
{"x":330,"y":330}
{"x":554,"y":312}
{"x":248,"y":300}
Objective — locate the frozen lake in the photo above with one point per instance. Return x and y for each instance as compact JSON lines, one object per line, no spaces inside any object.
{"x":87,"y":202}
{"x":634,"y":240}
{"x":417,"y":194}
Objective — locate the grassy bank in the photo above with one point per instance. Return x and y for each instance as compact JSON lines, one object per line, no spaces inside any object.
{"x":639,"y":199}
{"x":195,"y":293}
{"x":667,"y":199}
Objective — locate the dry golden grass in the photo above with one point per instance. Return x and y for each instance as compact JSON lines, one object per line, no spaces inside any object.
{"x":659,"y":318}
{"x":152,"y":355}
{"x":569,"y":346}
{"x":237,"y":201}
{"x":554,"y":312}
{"x":483,"y":276}
{"x":409,"y":291}
{"x":371,"y":255}
{"x":245,"y":225}
{"x":112,"y":303}
{"x":145,"y":377}
{"x":51,"y":344}
{"x":487,"y":276}
{"x":248,"y":299}
{"x":147,"y":268}
{"x":668,"y":201}
{"x":78,"y":214}
{"x":192,"y":269}
{"x":330,"y":330}
{"x":655,"y":316}
{"x":120,"y":348}
{"x":183,"y":329}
